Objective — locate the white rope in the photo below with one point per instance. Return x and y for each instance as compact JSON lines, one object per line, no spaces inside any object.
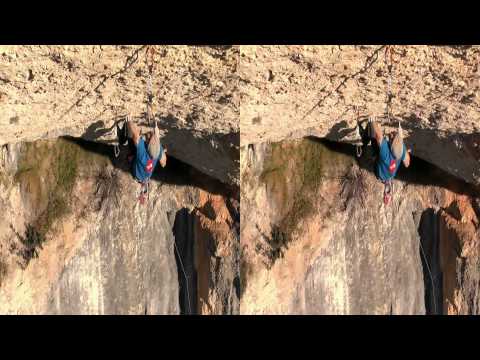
{"x":149,"y":89}
{"x":389,"y":85}
{"x":184,"y":274}
{"x":431,"y":278}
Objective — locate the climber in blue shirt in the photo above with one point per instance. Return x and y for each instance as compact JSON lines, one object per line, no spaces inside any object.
{"x":391,"y":153}
{"x":144,"y":152}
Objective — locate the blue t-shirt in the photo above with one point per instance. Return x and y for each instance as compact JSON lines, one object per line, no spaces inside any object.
{"x":143,"y":164}
{"x":387,"y":165}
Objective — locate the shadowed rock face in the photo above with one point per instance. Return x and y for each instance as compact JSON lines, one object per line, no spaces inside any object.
{"x":291,"y":92}
{"x":349,"y":254}
{"x":208,"y":256}
{"x":428,"y":229}
{"x":81,"y":91}
{"x":103,"y":252}
{"x":183,"y":229}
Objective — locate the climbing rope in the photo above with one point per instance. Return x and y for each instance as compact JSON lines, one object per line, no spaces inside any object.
{"x":150,"y":52}
{"x":184,"y":274}
{"x":145,"y":192}
{"x":431,"y":278}
{"x":389,"y":64}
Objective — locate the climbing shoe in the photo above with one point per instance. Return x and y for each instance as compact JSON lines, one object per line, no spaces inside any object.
{"x":387,"y":192}
{"x":122,"y":133}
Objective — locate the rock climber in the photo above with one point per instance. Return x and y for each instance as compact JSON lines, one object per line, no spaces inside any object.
{"x":144,"y":151}
{"x":390,"y":154}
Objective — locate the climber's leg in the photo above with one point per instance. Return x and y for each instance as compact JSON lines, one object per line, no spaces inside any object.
{"x":122,"y":133}
{"x":132,"y":150}
{"x":133,"y":132}
{"x":363,"y":130}
{"x":376,"y":132}
{"x":376,"y":135}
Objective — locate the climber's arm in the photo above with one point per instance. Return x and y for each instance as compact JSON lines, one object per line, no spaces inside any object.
{"x":133,"y":132}
{"x":377,"y":133}
{"x":406,"y":160}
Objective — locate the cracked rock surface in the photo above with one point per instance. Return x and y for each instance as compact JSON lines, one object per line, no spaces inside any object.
{"x":51,"y":91}
{"x":102,"y":251}
{"x":294,"y":91}
{"x":326,"y":244}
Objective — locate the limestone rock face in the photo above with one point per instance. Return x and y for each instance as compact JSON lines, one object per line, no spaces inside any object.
{"x":51,"y":91}
{"x":102,"y":251}
{"x":317,"y":238}
{"x":217,"y":259}
{"x":124,"y":266}
{"x":459,"y":257}
{"x":294,"y":91}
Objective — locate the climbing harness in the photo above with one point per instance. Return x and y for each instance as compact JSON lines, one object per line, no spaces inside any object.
{"x":144,"y":189}
{"x":143,"y":195}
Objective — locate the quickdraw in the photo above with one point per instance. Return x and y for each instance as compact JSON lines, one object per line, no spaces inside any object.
{"x":358,"y":146}
{"x":358,"y":150}
{"x":116,"y":148}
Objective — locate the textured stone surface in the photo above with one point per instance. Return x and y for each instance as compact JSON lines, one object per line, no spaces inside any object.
{"x":217,"y":244}
{"x":49,"y":91}
{"x":293,"y":91}
{"x":349,"y":254}
{"x":109,"y":254}
{"x":459,"y":258}
{"x":125,"y":266}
